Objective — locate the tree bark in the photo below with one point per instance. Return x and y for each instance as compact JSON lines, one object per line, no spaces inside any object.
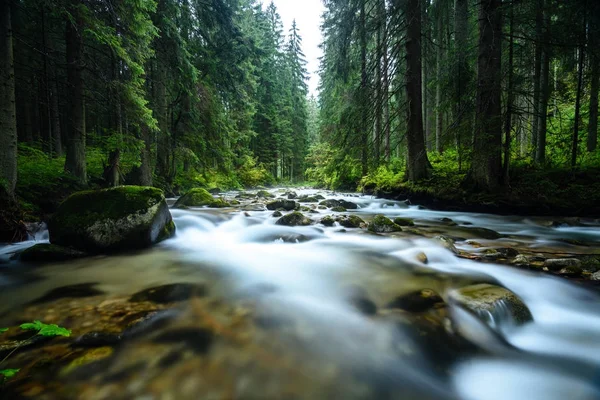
{"x":486,"y":168}
{"x":540,"y":149}
{"x":418,"y":163}
{"x":385,"y":83}
{"x":363,"y":88}
{"x":75,"y":160}
{"x":537,"y":68}
{"x":509,"y":100}
{"x":8,"y":117}
{"x":580,"y":67}
{"x":438,"y":78}
{"x":592,"y":139}
{"x":461,"y":19}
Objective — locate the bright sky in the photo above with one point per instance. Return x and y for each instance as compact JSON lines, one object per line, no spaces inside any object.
{"x":308,"y":19}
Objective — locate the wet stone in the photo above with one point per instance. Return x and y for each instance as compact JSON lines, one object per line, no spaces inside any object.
{"x":557,"y":264}
{"x":294,"y":219}
{"x":97,"y":339}
{"x":72,"y":291}
{"x":364,"y":305}
{"x":197,"y":339}
{"x":287,"y":205}
{"x":419,"y":301}
{"x":382,"y":224}
{"x":170,"y":293}
{"x":277,"y":214}
{"x":404,"y":221}
{"x":150,"y":323}
{"x":351,"y":221}
{"x":483,"y":233}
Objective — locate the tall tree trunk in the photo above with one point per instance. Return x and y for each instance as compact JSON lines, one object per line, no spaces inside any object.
{"x":386,"y":81}
{"x":537,"y":68}
{"x":486,"y":168}
{"x":438,"y":78}
{"x":363,"y":88}
{"x":592,"y":139}
{"x":418,"y":164}
{"x":509,"y":100}
{"x":75,"y":160}
{"x":379,"y":101}
{"x":8,"y":117}
{"x":461,"y":19}
{"x":540,"y":149}
{"x":145,"y":171}
{"x":580,"y":66}
{"x":54,"y":109}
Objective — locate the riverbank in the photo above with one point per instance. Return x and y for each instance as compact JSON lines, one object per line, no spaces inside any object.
{"x":531,"y":192}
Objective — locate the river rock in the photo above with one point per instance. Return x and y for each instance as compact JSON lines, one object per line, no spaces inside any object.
{"x":382,"y":224}
{"x":277,"y":214}
{"x":327,"y":220}
{"x":116,"y":219}
{"x":404,"y":221}
{"x":199,"y":197}
{"x":170,"y":293}
{"x":331,"y":203}
{"x":351,"y":221}
{"x":418,"y":301}
{"x":595,"y":276}
{"x":294,"y":219}
{"x":47,"y":253}
{"x":483,"y":233}
{"x":447,"y":242}
{"x":287,"y":205}
{"x":489,"y":301}
{"x":338,"y":209}
{"x":307,"y":199}
{"x":263,"y":194}
{"x":557,"y":264}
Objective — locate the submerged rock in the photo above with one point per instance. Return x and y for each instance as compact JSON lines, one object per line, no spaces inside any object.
{"x":47,"y":253}
{"x":287,"y":205}
{"x":199,"y":197}
{"x":80,"y":290}
{"x":294,"y":219}
{"x":307,"y":199}
{"x":331,"y":203}
{"x":116,"y":219}
{"x":382,"y":224}
{"x":277,"y":214}
{"x":447,"y":242}
{"x":419,"y":301}
{"x":351,"y":221}
{"x":557,"y":264}
{"x":492,"y":303}
{"x":483,"y":233}
{"x":170,"y":293}
{"x":404,"y":221}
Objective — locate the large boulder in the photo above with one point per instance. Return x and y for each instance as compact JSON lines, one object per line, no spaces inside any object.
{"x":287,"y":205}
{"x":116,"y":219}
{"x":294,"y":219}
{"x":492,"y":303}
{"x":382,"y":224}
{"x":199,"y":197}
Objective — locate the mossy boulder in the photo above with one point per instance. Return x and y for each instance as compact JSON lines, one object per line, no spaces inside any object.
{"x":338,"y":209}
{"x":47,"y":253}
{"x":483,"y":233}
{"x":287,"y":205}
{"x":199,"y":197}
{"x":418,"y":301}
{"x":404,"y":221}
{"x":327,"y":220}
{"x":308,"y":199}
{"x":332,"y":203}
{"x":294,"y":219}
{"x":492,"y":303}
{"x":382,"y":224}
{"x":109,"y":220}
{"x":557,"y":264}
{"x":263,"y":194}
{"x":351,"y":221}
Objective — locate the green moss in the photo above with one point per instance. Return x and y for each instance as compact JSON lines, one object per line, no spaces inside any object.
{"x":294,"y":219}
{"x":111,"y":219}
{"x":110,"y":203}
{"x":327,"y":220}
{"x":200,"y":197}
{"x":351,"y":221}
{"x":382,"y":224}
{"x":338,"y":209}
{"x":45,"y":252}
{"x":404,"y":221}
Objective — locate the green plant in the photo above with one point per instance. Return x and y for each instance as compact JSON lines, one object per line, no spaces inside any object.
{"x":42,"y":329}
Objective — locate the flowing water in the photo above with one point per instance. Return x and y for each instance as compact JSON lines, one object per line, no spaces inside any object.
{"x":305,"y":312}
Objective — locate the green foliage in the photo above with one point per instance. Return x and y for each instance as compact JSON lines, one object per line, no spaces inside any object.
{"x":2,"y":330}
{"x":46,"y":329}
{"x":252,"y":174}
{"x":386,"y":177}
{"x":8,"y":373}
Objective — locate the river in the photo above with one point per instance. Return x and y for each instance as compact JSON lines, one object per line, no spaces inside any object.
{"x":307,"y":312}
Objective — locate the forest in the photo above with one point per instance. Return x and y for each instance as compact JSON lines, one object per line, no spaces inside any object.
{"x":496,"y":98}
